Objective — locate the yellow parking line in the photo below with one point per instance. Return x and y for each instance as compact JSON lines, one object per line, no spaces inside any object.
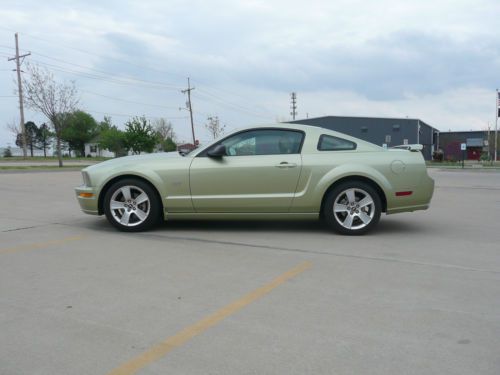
{"x":39,"y":245}
{"x":160,"y":350}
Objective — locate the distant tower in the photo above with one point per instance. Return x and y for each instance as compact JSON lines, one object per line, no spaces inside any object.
{"x":293,"y":105}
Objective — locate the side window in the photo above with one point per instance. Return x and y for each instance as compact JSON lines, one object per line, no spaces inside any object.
{"x":331,"y":143}
{"x":264,"y":142}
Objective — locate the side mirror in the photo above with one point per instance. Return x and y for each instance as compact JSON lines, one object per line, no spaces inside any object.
{"x":217,"y":152}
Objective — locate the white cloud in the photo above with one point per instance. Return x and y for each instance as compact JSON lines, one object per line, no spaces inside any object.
{"x":438,"y":61}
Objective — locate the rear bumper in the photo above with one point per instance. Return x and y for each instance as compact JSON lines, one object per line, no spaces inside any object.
{"x":89,"y":205}
{"x":419,"y":200}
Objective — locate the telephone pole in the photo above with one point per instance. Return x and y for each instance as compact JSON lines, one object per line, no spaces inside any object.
{"x":293,"y":107}
{"x":497,"y":114}
{"x":190,"y":108}
{"x":20,"y":91}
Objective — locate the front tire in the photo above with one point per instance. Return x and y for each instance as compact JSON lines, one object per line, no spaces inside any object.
{"x":352,"y":208}
{"x":132,"y":205}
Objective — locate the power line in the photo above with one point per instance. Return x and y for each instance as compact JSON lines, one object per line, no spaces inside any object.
{"x":233,"y":94}
{"x":109,"y":78}
{"x":230,"y":105}
{"x":129,"y":101}
{"x":234,"y":105}
{"x":118,"y":80}
{"x":63,"y":45}
{"x":130,"y":115}
{"x":121,"y":81}
{"x":173,"y":87}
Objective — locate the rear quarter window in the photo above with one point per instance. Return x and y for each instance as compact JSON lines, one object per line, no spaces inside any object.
{"x":331,"y":143}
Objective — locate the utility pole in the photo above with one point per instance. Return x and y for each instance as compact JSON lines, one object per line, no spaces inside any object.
{"x":20,"y":91}
{"x":418,"y":131}
{"x":190,"y":108}
{"x":497,"y":113}
{"x":293,"y":107}
{"x":489,"y":143}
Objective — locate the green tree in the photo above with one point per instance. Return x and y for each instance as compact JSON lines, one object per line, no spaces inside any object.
{"x":140,"y":135}
{"x":105,"y":124}
{"x":110,"y":137}
{"x":7,"y":153}
{"x":165,"y":134}
{"x":113,"y":139}
{"x":44,"y":138}
{"x":31,"y":137}
{"x":81,"y":128}
{"x":168,"y":145}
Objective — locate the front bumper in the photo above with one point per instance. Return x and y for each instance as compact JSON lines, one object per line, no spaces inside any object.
{"x":87,"y":198}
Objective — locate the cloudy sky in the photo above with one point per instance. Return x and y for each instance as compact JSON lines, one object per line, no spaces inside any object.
{"x":434,"y":60}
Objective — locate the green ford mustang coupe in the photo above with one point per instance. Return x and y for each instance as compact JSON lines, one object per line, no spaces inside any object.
{"x":273,"y":172}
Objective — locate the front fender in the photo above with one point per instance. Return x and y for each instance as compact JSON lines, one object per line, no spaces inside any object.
{"x":151,"y":176}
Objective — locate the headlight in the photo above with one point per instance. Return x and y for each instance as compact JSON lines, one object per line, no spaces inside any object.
{"x":86,"y":179}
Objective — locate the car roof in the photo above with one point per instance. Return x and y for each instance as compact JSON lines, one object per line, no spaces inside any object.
{"x":317,"y":130}
{"x":310,"y":129}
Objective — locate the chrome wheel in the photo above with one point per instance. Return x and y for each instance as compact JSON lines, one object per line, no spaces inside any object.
{"x":129,"y":205}
{"x":354,"y":209}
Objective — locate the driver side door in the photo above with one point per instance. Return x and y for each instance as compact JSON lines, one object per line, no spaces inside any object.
{"x":259,"y":173}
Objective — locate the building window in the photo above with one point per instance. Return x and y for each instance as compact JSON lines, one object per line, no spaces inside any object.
{"x":364,"y":129}
{"x":395,"y":128}
{"x":93,"y":148}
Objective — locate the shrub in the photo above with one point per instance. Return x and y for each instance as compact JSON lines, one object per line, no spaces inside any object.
{"x":484,"y":156}
{"x":7,"y":153}
{"x":438,"y":156}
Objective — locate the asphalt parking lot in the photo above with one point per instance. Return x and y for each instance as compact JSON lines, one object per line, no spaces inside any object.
{"x":420,"y":295}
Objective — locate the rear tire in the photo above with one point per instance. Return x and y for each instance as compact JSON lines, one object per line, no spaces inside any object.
{"x":352,"y":208}
{"x":132,"y":205}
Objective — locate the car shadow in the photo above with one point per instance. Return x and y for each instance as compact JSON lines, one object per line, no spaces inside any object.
{"x":243,"y":225}
{"x":384,"y":227}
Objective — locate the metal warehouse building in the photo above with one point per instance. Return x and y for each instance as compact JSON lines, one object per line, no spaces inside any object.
{"x":382,"y":131}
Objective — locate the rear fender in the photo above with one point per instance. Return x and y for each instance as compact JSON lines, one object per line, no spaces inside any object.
{"x":351,"y":170}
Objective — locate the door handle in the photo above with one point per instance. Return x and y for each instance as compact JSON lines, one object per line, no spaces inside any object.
{"x":285,"y":164}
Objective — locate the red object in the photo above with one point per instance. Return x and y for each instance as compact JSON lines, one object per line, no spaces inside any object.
{"x":474,"y":153}
{"x":403,"y":193}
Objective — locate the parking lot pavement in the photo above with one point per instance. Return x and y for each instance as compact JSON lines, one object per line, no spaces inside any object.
{"x":419,"y":295}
